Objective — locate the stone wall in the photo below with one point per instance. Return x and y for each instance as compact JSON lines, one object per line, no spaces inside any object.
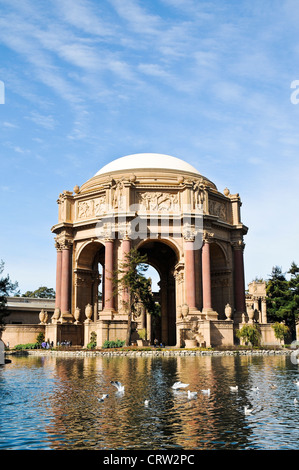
{"x":21,"y":334}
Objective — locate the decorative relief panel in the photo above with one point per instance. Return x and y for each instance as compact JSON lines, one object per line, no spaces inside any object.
{"x":92,"y":208}
{"x":158,"y":202}
{"x":217,"y":208}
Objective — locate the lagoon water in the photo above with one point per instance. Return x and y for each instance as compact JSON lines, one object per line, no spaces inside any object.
{"x":52,"y":402}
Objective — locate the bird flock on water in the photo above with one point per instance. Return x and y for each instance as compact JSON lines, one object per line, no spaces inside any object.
{"x":192,"y":394}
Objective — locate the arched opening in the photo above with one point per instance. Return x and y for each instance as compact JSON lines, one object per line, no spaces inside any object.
{"x":220,"y":280}
{"x":163,"y":258}
{"x":89,"y":278}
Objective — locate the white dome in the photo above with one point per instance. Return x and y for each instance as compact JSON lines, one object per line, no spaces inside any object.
{"x":147,"y":161}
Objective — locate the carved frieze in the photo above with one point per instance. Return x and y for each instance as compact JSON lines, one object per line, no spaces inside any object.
{"x":92,"y":208}
{"x":217,"y":208}
{"x":158,"y":201}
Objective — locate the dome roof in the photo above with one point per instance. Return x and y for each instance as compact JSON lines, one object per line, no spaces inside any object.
{"x":147,"y":161}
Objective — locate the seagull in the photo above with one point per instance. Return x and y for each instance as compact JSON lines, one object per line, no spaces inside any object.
{"x":296,"y":382}
{"x":179,"y":384}
{"x":255,"y":389}
{"x":247,"y":410}
{"x":206,"y":392}
{"x":118,"y":385}
{"x":103,"y":397}
{"x":146,"y":402}
{"x":192,"y":394}
{"x":295,"y":401}
{"x":234,"y":389}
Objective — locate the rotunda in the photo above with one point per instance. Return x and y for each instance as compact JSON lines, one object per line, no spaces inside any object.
{"x":191,"y":233}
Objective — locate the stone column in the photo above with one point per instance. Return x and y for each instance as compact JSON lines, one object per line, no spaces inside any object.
{"x":207,"y":309}
{"x":109,"y":299}
{"x":126,"y":247}
{"x":65,"y":278}
{"x":190,"y":286}
{"x":58,"y":277}
{"x":264,"y":311}
{"x":149,"y":327}
{"x":65,"y":292}
{"x":206,"y":276}
{"x":164,"y":308}
{"x":239,"y":278}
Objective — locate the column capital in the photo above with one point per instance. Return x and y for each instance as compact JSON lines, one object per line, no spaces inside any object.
{"x":208,"y":237}
{"x":189,"y":233}
{"x":63,"y":243}
{"x":108,"y":240}
{"x":238,"y":245}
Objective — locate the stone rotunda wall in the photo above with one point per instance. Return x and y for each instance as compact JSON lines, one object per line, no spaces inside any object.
{"x":191,"y":232}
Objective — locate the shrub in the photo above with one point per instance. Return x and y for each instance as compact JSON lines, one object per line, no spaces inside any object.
{"x":40,"y":338}
{"x":93,"y":340}
{"x":142,"y":333}
{"x":281,"y":331}
{"x":113,"y":344}
{"x":250,"y":334}
{"x":21,"y":347}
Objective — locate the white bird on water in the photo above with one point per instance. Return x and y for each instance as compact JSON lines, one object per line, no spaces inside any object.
{"x":234,"y":389}
{"x":118,"y":385}
{"x":255,"y":389}
{"x":296,"y":382}
{"x":179,"y":384}
{"x":247,"y":410}
{"x":146,"y":402}
{"x":192,"y":394}
{"x":206,"y":392}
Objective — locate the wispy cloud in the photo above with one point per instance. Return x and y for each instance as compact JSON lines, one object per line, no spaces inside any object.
{"x":47,"y":122}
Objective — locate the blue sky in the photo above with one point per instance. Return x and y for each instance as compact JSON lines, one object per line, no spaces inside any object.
{"x":89,"y":81}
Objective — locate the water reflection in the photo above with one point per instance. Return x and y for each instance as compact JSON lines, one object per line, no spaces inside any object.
{"x":53,"y":403}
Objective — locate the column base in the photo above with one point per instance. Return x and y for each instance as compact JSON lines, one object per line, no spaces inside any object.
{"x":107,"y":314}
{"x":209,"y":314}
{"x":66,"y":317}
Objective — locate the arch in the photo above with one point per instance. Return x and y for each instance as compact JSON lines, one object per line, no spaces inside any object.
{"x":221,"y":279}
{"x":170,"y":243}
{"x":87,"y":277}
{"x":218,"y":257}
{"x":163,"y":256}
{"x":86,"y":254}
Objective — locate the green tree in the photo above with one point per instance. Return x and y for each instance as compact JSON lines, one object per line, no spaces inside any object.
{"x":294,"y":288}
{"x":131,"y":279}
{"x":7,"y":287}
{"x":283,"y":297}
{"x":250,"y":334}
{"x":41,"y":293}
{"x":281,"y":331}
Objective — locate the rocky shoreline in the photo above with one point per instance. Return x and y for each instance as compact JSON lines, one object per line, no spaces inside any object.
{"x":151,"y":352}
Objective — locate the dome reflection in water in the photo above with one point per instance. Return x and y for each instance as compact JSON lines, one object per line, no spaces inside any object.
{"x":54,"y":403}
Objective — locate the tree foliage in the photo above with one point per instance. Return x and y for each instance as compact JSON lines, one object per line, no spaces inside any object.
{"x":283,"y":297}
{"x":281,"y":331}
{"x":42,"y":292}
{"x":7,"y":287}
{"x":250,"y":334}
{"x":130,"y":278}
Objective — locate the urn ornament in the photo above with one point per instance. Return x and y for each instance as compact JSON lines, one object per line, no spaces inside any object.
{"x":185,"y":310}
{"x":42,"y":316}
{"x":88,"y":312}
{"x":77,"y":315}
{"x":228,"y":312}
